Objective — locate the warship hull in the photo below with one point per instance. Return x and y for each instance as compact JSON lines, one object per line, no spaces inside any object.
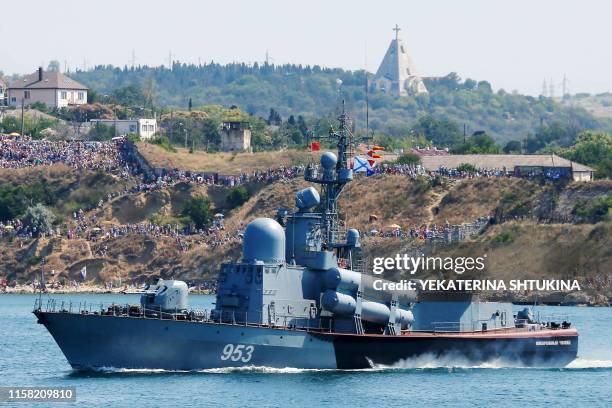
{"x":92,"y":342}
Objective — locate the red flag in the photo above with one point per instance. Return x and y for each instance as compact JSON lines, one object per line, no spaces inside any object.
{"x":315,"y":146}
{"x":373,"y":154}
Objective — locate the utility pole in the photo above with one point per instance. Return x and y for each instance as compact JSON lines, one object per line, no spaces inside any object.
{"x":22,"y":118}
{"x":170,"y":60}
{"x":551,"y":89}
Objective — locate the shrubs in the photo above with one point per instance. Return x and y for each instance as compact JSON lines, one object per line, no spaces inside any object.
{"x":39,"y":218}
{"x":601,"y":209}
{"x":197,"y":208}
{"x":408,"y":158}
{"x":506,"y":236}
{"x":237,"y":196}
{"x":164,"y":143}
{"x":467,"y":168}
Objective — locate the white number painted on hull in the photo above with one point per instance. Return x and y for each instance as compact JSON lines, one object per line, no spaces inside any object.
{"x":239,"y":352}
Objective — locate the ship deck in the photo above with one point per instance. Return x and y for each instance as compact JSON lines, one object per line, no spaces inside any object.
{"x":203,"y":317}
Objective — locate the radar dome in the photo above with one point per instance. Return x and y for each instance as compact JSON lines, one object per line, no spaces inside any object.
{"x":328,"y":160}
{"x":264,"y":240}
{"x":307,"y":198}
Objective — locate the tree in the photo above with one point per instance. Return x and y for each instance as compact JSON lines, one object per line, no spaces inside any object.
{"x":593,"y":149}
{"x":467,"y":168}
{"x":513,"y":146}
{"x":39,"y":218}
{"x":441,"y":132}
{"x":237,"y":196}
{"x":130,"y":95}
{"x":54,"y":66}
{"x":409,"y":158}
{"x":303,"y":128}
{"x":478,"y":143}
{"x":190,"y":105}
{"x":197,"y":208}
{"x":274,"y":118}
{"x":101,"y":132}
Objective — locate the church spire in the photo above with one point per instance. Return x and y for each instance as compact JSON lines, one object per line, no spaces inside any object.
{"x":397,"y":30}
{"x":397,"y":73}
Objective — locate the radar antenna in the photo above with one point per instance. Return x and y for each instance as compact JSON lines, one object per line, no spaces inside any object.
{"x":333,"y":184}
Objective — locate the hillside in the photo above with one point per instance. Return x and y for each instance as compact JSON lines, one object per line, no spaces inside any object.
{"x":520,"y":247}
{"x":223,"y":163}
{"x":313,"y":91}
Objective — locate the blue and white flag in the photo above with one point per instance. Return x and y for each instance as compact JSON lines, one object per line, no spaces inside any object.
{"x":361,"y":165}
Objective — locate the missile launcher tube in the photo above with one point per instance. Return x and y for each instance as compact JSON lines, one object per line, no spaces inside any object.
{"x":374,"y":312}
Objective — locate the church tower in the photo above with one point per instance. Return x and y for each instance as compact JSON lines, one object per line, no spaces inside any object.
{"x":396,"y":73}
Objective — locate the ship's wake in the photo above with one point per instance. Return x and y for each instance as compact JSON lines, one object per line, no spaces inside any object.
{"x":457,"y":362}
{"x":425,"y":362}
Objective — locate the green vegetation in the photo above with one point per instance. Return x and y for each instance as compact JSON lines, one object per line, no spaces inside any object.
{"x":39,"y":218}
{"x":15,"y":200}
{"x":506,"y":236}
{"x":593,"y":149}
{"x":478,"y":143}
{"x":101,"y":132}
{"x":409,"y":158}
{"x":600,"y":210}
{"x":513,"y":147}
{"x":164,"y":143}
{"x":32,"y":126}
{"x":197,"y":208}
{"x":467,"y":168}
{"x":313,"y":92}
{"x":237,"y":196}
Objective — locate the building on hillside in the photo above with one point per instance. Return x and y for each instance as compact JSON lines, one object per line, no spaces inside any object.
{"x":144,"y":128}
{"x":397,"y":74}
{"x":235,"y":137}
{"x":52,"y":88}
{"x":429,"y":151}
{"x":522,"y":165}
{"x":3,"y":92}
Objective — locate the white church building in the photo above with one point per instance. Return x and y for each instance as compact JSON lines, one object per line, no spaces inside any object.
{"x":397,"y":74}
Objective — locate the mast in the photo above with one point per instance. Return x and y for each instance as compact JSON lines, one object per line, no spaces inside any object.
{"x":332,"y":185}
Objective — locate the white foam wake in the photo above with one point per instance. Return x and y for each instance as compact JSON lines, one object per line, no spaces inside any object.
{"x":581,"y":363}
{"x":423,"y":362}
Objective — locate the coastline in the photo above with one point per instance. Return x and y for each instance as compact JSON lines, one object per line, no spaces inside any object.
{"x":85,"y":289}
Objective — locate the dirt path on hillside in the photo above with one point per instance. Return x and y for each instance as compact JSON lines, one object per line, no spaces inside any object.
{"x":437,"y":199}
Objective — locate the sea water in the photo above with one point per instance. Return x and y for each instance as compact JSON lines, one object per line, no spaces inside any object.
{"x":30,"y":357}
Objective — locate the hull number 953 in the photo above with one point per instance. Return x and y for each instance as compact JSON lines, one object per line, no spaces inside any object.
{"x":239,"y":352}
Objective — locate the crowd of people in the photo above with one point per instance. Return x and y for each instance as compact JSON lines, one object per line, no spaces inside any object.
{"x":23,"y":152}
{"x":281,"y":173}
{"x":480,"y":172}
{"x":422,"y":232}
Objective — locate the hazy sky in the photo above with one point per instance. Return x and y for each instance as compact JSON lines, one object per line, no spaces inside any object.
{"x":514,"y":44}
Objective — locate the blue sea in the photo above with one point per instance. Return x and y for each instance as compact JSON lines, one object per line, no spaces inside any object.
{"x":30,"y":357}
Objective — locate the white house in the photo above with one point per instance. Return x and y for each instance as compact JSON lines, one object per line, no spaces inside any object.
{"x":54,"y":89}
{"x":3,"y":92}
{"x":144,"y":128}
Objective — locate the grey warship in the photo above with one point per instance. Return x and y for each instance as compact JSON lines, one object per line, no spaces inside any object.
{"x":300,"y":297}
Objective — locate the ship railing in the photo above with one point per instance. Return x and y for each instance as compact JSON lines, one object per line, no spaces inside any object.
{"x":553,"y":317}
{"x":231,"y":317}
{"x":475,"y":326}
{"x":256,"y":319}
